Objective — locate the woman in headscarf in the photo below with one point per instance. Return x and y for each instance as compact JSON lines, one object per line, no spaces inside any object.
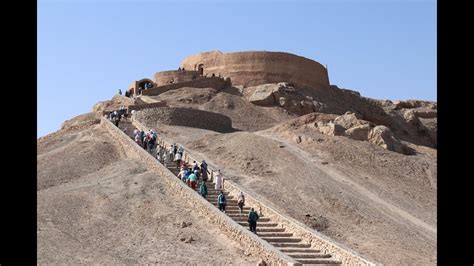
{"x":219,"y":178}
{"x":204,"y":170}
{"x":195,"y":166}
{"x":177,"y":158}
{"x":241,"y":201}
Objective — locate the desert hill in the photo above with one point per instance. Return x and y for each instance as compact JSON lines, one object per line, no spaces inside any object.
{"x":361,"y":171}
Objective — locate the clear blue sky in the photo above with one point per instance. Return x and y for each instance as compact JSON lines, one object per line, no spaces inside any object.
{"x":87,"y":49}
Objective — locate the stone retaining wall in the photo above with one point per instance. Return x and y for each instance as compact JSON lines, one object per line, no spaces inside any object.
{"x":179,"y":116}
{"x":250,"y":242}
{"x":138,"y":107}
{"x":164,"y":77}
{"x":316,"y":239}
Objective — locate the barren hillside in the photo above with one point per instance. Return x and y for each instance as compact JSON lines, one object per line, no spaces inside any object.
{"x":97,"y":206}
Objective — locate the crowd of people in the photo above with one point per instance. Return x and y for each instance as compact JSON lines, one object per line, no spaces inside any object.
{"x":192,"y":174}
{"x":146,"y":140}
{"x":117,"y":115}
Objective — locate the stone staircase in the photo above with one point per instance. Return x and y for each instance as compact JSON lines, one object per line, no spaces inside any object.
{"x":130,"y":127}
{"x":270,"y":231}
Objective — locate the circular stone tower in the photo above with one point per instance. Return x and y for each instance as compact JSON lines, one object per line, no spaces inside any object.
{"x":260,"y":67}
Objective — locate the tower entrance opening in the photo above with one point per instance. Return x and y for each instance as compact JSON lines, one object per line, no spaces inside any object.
{"x":201,"y":69}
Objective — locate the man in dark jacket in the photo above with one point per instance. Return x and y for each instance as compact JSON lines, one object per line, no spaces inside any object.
{"x":221,"y":201}
{"x":253,"y":217}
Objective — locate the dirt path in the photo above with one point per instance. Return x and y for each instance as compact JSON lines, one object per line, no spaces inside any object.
{"x":336,"y":175}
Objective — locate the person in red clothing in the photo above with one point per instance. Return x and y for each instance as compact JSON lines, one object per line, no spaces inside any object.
{"x":192,"y":179}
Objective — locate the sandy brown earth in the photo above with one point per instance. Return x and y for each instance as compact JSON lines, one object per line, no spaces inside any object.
{"x":97,"y":206}
{"x":380,"y":203}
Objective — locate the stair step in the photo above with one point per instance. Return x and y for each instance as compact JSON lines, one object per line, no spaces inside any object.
{"x":291,"y":245}
{"x":231,"y":207}
{"x":237,"y":212}
{"x":299,"y":250}
{"x":244,"y":218}
{"x":275,"y":234}
{"x":228,"y":201}
{"x":281,"y":239}
{"x":319,"y":261}
{"x":269,"y":229}
{"x":259,"y":224}
{"x":239,"y":216}
{"x":309,"y":255}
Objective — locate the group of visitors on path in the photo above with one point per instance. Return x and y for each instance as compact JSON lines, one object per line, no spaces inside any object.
{"x":192,"y":174}
{"x":146,"y":140}
{"x":166,"y":155}
{"x":117,"y":115}
{"x":252,"y":215}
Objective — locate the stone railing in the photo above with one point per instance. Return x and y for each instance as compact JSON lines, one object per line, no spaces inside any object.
{"x":249,"y":241}
{"x":316,"y":239}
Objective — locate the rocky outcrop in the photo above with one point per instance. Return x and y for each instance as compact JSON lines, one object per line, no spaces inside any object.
{"x":426,"y":113}
{"x":383,"y":136}
{"x":407,"y":127}
{"x":283,"y":94}
{"x":331,"y":129}
{"x":349,"y":120}
{"x":264,"y":95}
{"x":360,"y":132}
{"x":410,"y":104}
{"x":113,"y":104}
{"x":350,"y":126}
